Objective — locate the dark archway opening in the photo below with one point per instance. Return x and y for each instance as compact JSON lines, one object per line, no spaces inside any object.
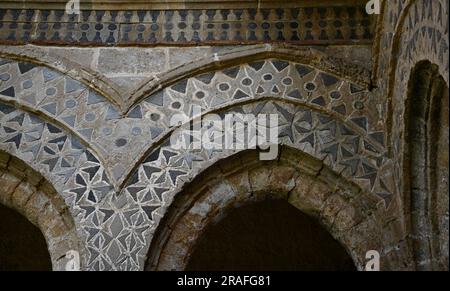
{"x":426,"y":166}
{"x":22,"y":245}
{"x":266,"y":236}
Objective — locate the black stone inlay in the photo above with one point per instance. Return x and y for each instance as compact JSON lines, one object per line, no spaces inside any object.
{"x":10,"y":92}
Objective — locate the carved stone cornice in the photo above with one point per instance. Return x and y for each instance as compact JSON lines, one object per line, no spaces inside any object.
{"x":315,"y":24}
{"x":175,"y":4}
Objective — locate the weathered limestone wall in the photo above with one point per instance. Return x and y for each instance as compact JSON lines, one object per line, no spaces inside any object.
{"x":411,"y":32}
{"x":26,"y":191}
{"x":305,"y":183}
{"x":93,"y":118}
{"x":89,"y":153}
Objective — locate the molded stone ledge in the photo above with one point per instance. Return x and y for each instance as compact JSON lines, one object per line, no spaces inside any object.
{"x":171,"y":4}
{"x":307,"y":24}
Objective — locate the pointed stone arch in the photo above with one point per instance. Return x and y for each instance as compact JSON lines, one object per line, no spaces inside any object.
{"x":351,"y":216}
{"x":72,"y":168}
{"x":57,"y":97}
{"x":425,"y":163}
{"x":312,"y":131}
{"x":27,"y":192}
{"x":415,"y":35}
{"x":165,"y":170}
{"x":42,"y":58}
{"x":265,"y":75}
{"x":230,"y":58}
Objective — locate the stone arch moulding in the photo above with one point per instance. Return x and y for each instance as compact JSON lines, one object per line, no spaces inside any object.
{"x":30,"y":194}
{"x":237,"y":56}
{"x":314,"y":132}
{"x":38,"y":57}
{"x":73,"y":169}
{"x":353,"y":217}
{"x":57,"y":97}
{"x":246,"y":82}
{"x":423,"y":27}
{"x":422,"y":30}
{"x":216,"y":61}
{"x":108,"y":233}
{"x":153,"y":185}
{"x":391,"y":14}
{"x":425,"y":167}
{"x":101,"y":125}
{"x":378,"y":42}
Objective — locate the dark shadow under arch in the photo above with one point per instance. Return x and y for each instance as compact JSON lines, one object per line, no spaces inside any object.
{"x":344,"y":212}
{"x":22,"y":245}
{"x":271,"y":235}
{"x":35,"y":221}
{"x":426,"y":165}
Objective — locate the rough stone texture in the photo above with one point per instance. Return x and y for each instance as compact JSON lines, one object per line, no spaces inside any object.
{"x":95,"y":123}
{"x":265,"y":235}
{"x":130,"y":61}
{"x":421,"y":34}
{"x":178,"y":56}
{"x":23,"y":246}
{"x":42,"y":207}
{"x":196,"y":207}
